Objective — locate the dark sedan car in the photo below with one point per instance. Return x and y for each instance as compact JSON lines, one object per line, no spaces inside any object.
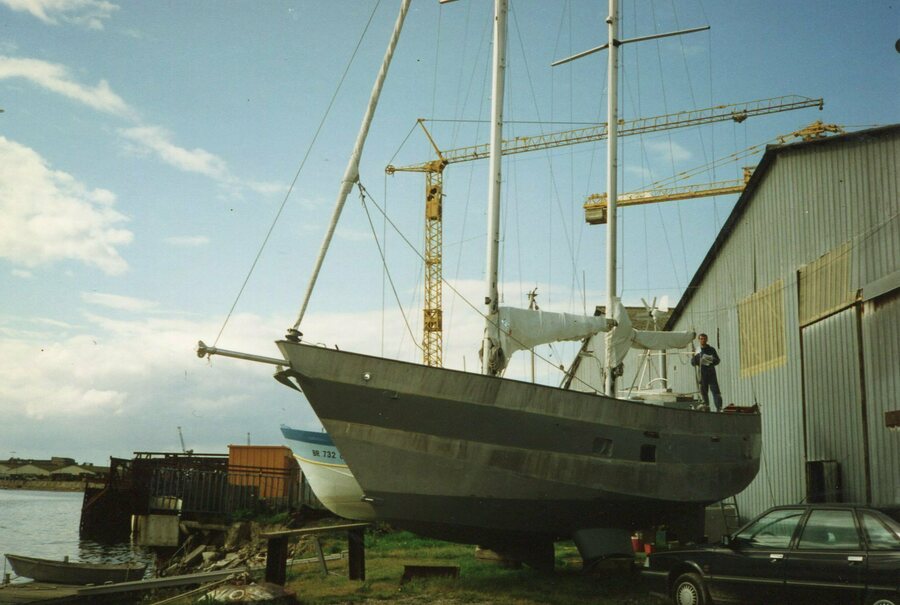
{"x":843,"y":554}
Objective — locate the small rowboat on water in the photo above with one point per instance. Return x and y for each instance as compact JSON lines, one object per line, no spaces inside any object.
{"x":77,"y":572}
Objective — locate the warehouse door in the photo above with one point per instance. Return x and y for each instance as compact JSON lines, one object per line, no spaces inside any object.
{"x":833,"y":399}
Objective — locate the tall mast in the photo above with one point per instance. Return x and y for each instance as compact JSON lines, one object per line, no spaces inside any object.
{"x":612,"y":22}
{"x":612,"y":113}
{"x":491,"y":328}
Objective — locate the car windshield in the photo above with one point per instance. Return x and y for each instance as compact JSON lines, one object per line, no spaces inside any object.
{"x":772,"y":530}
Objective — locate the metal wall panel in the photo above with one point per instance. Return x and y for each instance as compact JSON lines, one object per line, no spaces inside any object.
{"x":881,"y":352}
{"x":834,"y":407}
{"x":812,"y":199}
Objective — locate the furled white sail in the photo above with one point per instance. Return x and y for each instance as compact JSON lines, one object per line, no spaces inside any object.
{"x":525,"y":329}
{"x":624,"y":337}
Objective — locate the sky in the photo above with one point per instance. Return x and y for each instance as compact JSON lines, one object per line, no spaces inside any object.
{"x":168,"y":171}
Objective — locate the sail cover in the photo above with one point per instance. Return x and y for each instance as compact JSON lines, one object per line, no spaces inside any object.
{"x":525,"y":329}
{"x":624,"y":337}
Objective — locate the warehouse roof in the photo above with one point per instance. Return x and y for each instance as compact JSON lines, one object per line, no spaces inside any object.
{"x":772,"y":152}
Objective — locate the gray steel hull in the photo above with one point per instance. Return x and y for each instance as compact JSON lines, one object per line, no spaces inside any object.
{"x":470,"y":457}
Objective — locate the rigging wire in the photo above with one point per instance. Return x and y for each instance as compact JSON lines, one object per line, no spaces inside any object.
{"x":485,"y":30}
{"x":470,"y":304}
{"x":547,"y":155}
{"x":362,"y":199}
{"x":297,"y":173}
{"x":384,"y":268}
{"x":403,"y":142}
{"x":437,"y":54}
{"x":471,"y":172}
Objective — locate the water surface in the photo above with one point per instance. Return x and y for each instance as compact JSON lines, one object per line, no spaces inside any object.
{"x":45,"y":525}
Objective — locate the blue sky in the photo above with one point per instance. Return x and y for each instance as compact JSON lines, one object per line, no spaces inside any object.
{"x":146,"y":147}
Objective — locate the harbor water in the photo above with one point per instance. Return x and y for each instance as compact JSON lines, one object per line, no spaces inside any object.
{"x":45,"y":525}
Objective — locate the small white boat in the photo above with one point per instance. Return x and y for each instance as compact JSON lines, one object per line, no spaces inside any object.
{"x":328,"y":475}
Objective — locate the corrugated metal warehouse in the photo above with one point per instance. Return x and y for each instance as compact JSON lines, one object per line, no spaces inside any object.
{"x":800,"y":295}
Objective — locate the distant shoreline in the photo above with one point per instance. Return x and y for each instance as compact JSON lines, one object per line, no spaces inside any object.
{"x":42,"y":486}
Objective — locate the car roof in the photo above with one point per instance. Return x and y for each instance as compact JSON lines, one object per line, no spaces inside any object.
{"x":891,"y":510}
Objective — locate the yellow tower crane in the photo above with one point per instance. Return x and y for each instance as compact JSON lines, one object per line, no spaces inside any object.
{"x":595,"y":204}
{"x":432,"y":341}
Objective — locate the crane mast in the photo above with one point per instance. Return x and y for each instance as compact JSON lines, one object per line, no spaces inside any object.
{"x":432,"y":340}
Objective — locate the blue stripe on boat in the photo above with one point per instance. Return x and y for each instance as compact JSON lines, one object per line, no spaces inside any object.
{"x":302,"y":436}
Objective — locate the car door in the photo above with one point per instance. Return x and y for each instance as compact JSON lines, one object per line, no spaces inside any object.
{"x":883,"y":557}
{"x":750,"y":568}
{"x":828,"y":564}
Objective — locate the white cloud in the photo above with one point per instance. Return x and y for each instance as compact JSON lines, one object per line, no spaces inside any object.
{"x":47,"y":215}
{"x":110,"y":387}
{"x":668,"y":151}
{"x":56,"y":78}
{"x":158,"y":141}
{"x":187,"y":241}
{"x":144,"y":139}
{"x":115,"y":301}
{"x":87,"y":13}
{"x":23,"y":274}
{"x":125,"y":384}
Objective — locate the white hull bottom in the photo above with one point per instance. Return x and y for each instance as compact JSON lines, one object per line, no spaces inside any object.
{"x":336,"y":489}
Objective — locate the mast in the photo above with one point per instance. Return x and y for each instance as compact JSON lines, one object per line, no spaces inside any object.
{"x":612,"y":22}
{"x":351,"y":174}
{"x":491,"y":328}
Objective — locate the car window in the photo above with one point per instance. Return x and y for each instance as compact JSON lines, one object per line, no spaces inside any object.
{"x":880,"y":536}
{"x":772,"y":530}
{"x":830,"y":530}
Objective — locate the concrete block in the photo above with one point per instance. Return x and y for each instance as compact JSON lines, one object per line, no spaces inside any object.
{"x":156,"y":530}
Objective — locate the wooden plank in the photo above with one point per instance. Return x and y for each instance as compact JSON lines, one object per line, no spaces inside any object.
{"x":312,"y":530}
{"x":37,"y":592}
{"x":165,"y":582}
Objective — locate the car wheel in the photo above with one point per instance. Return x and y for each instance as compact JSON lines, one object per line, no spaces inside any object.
{"x":689,"y":589}
{"x":883,"y":601}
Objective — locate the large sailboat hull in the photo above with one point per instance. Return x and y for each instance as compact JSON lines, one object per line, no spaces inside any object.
{"x":477,"y":458}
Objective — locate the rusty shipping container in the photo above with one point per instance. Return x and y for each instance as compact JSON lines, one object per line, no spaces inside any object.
{"x":271,"y":469}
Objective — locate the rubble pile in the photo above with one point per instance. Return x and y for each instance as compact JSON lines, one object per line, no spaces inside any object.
{"x":217,"y":547}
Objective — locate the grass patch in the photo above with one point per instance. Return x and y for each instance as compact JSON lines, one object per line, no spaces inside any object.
{"x":479,"y":582}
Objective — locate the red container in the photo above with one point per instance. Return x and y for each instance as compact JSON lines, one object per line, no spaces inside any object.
{"x":648,"y":548}
{"x":637,"y":545}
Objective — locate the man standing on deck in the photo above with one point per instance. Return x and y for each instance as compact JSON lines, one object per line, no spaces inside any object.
{"x":707,"y":359}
